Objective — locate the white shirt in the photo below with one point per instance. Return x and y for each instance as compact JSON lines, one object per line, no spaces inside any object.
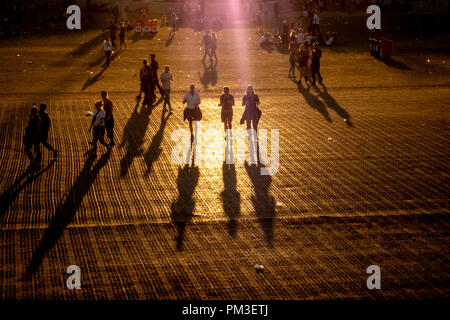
{"x":192,"y":99}
{"x":300,"y":37}
{"x":99,"y":118}
{"x":316,"y":19}
{"x":107,"y":45}
{"x":263,"y":39}
{"x":166,"y":77}
{"x":329,"y":41}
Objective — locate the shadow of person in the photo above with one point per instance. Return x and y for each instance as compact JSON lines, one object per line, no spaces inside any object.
{"x":90,"y":81}
{"x":331,"y":103}
{"x":26,"y":178}
{"x":170,"y":40}
{"x":102,"y":58}
{"x":66,"y":211}
{"x":312,"y":100}
{"x":231,"y":198}
{"x":155,"y":149}
{"x":209,"y":74}
{"x":133,"y":137}
{"x":267,"y":47}
{"x":263,"y":202}
{"x":135,"y":37}
{"x":183,"y":207}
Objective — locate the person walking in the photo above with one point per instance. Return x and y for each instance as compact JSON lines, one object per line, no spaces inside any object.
{"x":44,"y":128}
{"x":213,"y":46}
{"x":251,"y":115}
{"x":109,"y":118}
{"x":154,"y":65}
{"x":315,"y":63}
{"x":98,"y":126}
{"x":147,"y":84}
{"x":113,"y":34}
{"x":31,"y":137}
{"x":123,"y":30}
{"x":207,"y":44}
{"x":227,"y":103}
{"x":303,"y":57}
{"x":292,"y":58}
{"x":192,"y":111}
{"x":107,"y":46}
{"x":166,"y":78}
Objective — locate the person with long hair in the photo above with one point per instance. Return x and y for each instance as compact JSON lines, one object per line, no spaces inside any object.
{"x":213,"y":46}
{"x":303,"y":57}
{"x":147,"y":84}
{"x":251,"y":115}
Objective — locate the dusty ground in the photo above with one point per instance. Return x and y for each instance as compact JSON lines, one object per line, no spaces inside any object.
{"x":142,"y":227}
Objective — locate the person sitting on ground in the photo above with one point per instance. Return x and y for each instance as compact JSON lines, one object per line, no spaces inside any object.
{"x":265,"y":39}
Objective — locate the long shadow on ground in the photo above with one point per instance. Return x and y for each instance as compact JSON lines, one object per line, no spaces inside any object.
{"x":183,"y":207}
{"x":26,"y":178}
{"x":66,"y":211}
{"x":154,"y":150}
{"x":133,"y":137}
{"x":231,"y":198}
{"x":263,"y":202}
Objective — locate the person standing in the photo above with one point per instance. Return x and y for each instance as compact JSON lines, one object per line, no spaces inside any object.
{"x":107,"y":46}
{"x":192,"y":111}
{"x":166,"y":78}
{"x":98,"y":126}
{"x":123,"y":30}
{"x":207,"y":44}
{"x":172,"y":22}
{"x":109,"y":118}
{"x":315,"y":63}
{"x":154,"y":65}
{"x":44,"y":128}
{"x":31,"y":137}
{"x":227,"y":103}
{"x":292,"y":58}
{"x":316,"y":25}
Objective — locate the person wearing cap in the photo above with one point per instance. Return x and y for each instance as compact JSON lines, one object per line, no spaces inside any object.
{"x":98,"y":126}
{"x":44,"y":128}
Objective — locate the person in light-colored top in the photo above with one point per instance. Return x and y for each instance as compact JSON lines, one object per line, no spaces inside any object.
{"x":107,"y":46}
{"x":98,"y":126}
{"x":166,"y":78}
{"x":316,"y":25}
{"x":300,"y":36}
{"x":192,"y":111}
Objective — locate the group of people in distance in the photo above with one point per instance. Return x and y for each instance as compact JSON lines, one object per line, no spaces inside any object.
{"x":109,"y":45}
{"x":301,"y":54}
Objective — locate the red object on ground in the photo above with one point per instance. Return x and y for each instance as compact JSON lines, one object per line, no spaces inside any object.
{"x":147,"y":26}
{"x":387,"y":48}
{"x":138,"y":27}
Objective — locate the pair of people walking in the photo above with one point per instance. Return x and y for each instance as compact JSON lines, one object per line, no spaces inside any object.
{"x":302,"y":56}
{"x":36,"y":133}
{"x":149,"y":82}
{"x":210,"y":45}
{"x":102,"y":120}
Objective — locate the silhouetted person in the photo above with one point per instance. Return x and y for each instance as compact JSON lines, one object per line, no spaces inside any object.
{"x":155,"y":67}
{"x":315,"y":63}
{"x":207,"y":44}
{"x":147,"y":84}
{"x":213,"y":46}
{"x":109,"y":118}
{"x":303,"y":58}
{"x":44,"y":128}
{"x":123,"y":30}
{"x":113,"y":34}
{"x":192,"y":111}
{"x":251,"y":113}
{"x":166,"y":79}
{"x":227,"y":103}
{"x":98,"y":126}
{"x":31,"y":137}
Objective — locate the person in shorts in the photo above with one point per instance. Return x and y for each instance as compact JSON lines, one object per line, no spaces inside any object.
{"x":192,"y":111}
{"x":227,"y":103}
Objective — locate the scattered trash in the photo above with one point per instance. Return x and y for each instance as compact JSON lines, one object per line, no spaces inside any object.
{"x":330,"y":139}
{"x":259,"y":268}
{"x":88,"y":114}
{"x":345,"y":120}
{"x":428,"y":60}
{"x":30,"y":62}
{"x":279,"y":204}
{"x":444,"y":61}
{"x":18,"y":54}
{"x":24,"y":70}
